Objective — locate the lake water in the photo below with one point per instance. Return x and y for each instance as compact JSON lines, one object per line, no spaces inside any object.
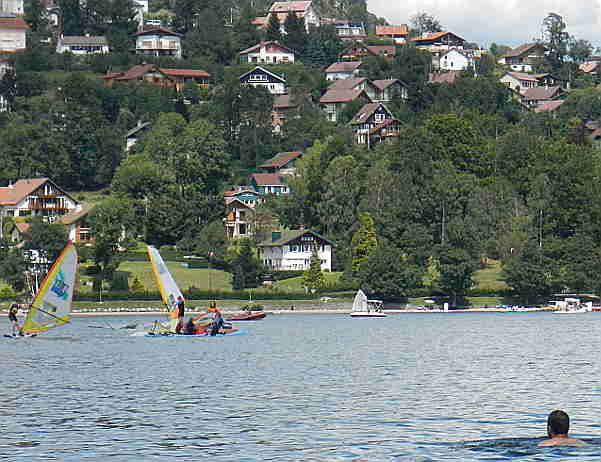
{"x":415,"y":387}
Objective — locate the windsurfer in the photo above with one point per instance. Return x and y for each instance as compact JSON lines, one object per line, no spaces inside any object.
{"x":217,"y":324}
{"x":558,"y":425}
{"x":180,"y":310}
{"x":12,"y":317}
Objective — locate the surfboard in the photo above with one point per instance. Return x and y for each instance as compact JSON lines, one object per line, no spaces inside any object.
{"x":231,"y":334}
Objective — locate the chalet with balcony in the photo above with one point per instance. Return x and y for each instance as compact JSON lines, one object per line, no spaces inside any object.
{"x":439,"y":42}
{"x":261,"y":77}
{"x":358,"y":51}
{"x":390,"y":89}
{"x":268,"y":53}
{"x":343,"y":70}
{"x":83,"y":45}
{"x":356,"y":83}
{"x":520,"y":81}
{"x":537,"y":96}
{"x":158,"y":41}
{"x":524,"y":57}
{"x":239,"y":219}
{"x":76,"y":222}
{"x":374,"y":124}
{"x":283,"y":163}
{"x":304,"y":10}
{"x":397,"y":33}
{"x":162,"y":77}
{"x":13,"y":31}
{"x":35,"y":197}
{"x":292,"y":250}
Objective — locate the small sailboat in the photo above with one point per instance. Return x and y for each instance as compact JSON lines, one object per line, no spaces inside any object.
{"x":364,"y":308}
{"x":51,"y":306}
{"x":170,"y":292}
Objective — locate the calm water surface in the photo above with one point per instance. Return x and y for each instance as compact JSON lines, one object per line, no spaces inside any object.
{"x":422,"y":387}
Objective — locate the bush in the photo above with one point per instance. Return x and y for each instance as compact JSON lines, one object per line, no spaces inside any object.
{"x":120,"y":282}
{"x":92,"y":270}
{"x":7,"y":293}
{"x":282,"y":275}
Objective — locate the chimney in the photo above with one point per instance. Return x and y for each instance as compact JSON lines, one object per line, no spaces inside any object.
{"x":275,"y":235}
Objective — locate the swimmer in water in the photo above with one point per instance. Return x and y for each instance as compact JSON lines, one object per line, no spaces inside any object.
{"x":558,"y":425}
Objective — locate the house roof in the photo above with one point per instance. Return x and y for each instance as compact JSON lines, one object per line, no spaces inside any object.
{"x":523,"y":76}
{"x":230,"y":201}
{"x":281,"y":159}
{"x":589,"y":66}
{"x":366,"y":112}
{"x":76,"y":214}
{"x":137,"y":128}
{"x":288,"y":236}
{"x":549,"y":106}
{"x":347,"y":84}
{"x":344,"y":66}
{"x":185,"y":73}
{"x":260,"y":45}
{"x":540,"y":93}
{"x":240,"y":190}
{"x":12,"y":195}
{"x":341,"y":96}
{"x":157,"y":31}
{"x":137,"y":71}
{"x":268,"y":179}
{"x":281,"y":7}
{"x":378,"y":50}
{"x":435,"y":36}
{"x":260,"y":21}
{"x":283,"y":102}
{"x":13,"y":22}
{"x":275,"y":76}
{"x":392,"y":30}
{"x":448,"y":77}
{"x":522,"y":49}
{"x":84,"y":40}
{"x":463,"y":53}
{"x":384,"y":84}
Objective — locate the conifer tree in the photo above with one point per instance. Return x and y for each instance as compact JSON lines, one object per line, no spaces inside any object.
{"x":313,"y":278}
{"x":296,"y":34}
{"x":273,"y":33}
{"x":363,"y":243}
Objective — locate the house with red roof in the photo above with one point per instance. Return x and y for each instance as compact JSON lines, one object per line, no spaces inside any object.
{"x":283,"y":163}
{"x":83,"y":45}
{"x":343,"y":70}
{"x":158,"y":41}
{"x":397,"y":33}
{"x":358,"y":51}
{"x":524,"y":57}
{"x":304,"y":10}
{"x":438,"y":42}
{"x":521,"y":81}
{"x":269,"y":183}
{"x":356,"y":83}
{"x":152,"y":74}
{"x":35,"y":197}
{"x":537,"y":96}
{"x":374,"y":124}
{"x":456,"y":60}
{"x":13,"y":30}
{"x":334,"y":101}
{"x":267,"y":53}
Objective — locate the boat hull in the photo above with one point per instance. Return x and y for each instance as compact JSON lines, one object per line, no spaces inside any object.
{"x":364,"y":314}
{"x":229,"y":334}
{"x":248,"y":317}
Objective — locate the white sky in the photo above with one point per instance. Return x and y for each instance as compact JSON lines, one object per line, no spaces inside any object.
{"x":509,"y":22}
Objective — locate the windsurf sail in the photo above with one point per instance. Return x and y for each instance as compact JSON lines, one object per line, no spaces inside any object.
{"x":360,"y":302}
{"x":51,"y":306}
{"x":167,"y":285}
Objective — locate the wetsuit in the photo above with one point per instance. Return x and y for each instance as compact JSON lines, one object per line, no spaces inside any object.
{"x":181,"y":308}
{"x":217,"y":324}
{"x":12,"y":314}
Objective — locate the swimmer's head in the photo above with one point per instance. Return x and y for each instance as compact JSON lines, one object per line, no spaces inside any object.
{"x":558,"y":423}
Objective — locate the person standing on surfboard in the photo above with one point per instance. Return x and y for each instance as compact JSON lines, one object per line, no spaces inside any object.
{"x":180,"y":308}
{"x":12,"y":317}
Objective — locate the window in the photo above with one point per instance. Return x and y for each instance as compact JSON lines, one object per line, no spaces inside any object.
{"x":24,"y":213}
{"x":379,"y":117}
{"x":293,"y":248}
{"x":242,"y":214}
{"x":258,"y":77}
{"x":242,"y":229}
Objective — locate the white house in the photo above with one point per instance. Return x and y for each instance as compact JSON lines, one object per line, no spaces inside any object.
{"x":520,"y":81}
{"x":292,"y":250}
{"x":304,"y":10}
{"x":524,"y":57}
{"x":267,"y":53}
{"x":456,"y":60}
{"x":13,"y":7}
{"x":261,"y":77}
{"x":343,"y":70}
{"x":13,"y":31}
{"x":158,"y":42}
{"x":35,"y":197}
{"x":82,"y":45}
{"x":348,"y":31}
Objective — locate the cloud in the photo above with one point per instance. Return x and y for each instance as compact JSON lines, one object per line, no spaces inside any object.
{"x":503,"y":21}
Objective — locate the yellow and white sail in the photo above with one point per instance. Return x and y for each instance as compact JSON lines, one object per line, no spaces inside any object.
{"x":51,"y":306}
{"x":167,"y":286}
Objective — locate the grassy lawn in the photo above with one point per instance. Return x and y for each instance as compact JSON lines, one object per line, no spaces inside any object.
{"x":490,"y":277}
{"x":295,"y":284}
{"x":185,"y":277}
{"x":92,"y":197}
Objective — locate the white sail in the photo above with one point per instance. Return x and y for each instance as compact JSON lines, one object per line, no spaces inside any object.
{"x":52,"y":304}
{"x":360,"y":302}
{"x":167,"y":286}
